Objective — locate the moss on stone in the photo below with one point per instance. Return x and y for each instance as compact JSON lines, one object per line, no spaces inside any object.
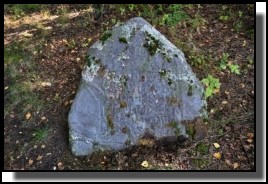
{"x":123,"y":40}
{"x":190,"y":90}
{"x":102,"y":71}
{"x":152,"y":44}
{"x":163,"y":73}
{"x":123,"y":104}
{"x":174,"y":125}
{"x":109,"y":118}
{"x":172,"y":100}
{"x":105,"y":36}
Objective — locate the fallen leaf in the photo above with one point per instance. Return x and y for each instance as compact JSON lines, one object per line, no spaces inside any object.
{"x":46,"y":84}
{"x":30,"y":162}
{"x":144,"y":164}
{"x":224,"y":102}
{"x":216,"y":145}
{"x":216,"y":90}
{"x":250,"y":135}
{"x":226,"y":92}
{"x":235,"y":165}
{"x":60,"y":166}
{"x":249,"y":140}
{"x":28,"y":116}
{"x":6,"y":87}
{"x":217,"y":155}
{"x":66,"y":103}
{"x":39,"y":157}
{"x":227,"y":162}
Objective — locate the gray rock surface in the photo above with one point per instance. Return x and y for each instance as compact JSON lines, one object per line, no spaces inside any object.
{"x":135,"y":83}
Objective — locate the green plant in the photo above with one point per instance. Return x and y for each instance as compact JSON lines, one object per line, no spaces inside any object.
{"x":175,"y":16}
{"x":41,"y":135}
{"x":197,"y":60}
{"x":238,"y":26}
{"x":21,"y":9}
{"x":250,"y":60}
{"x":131,"y":7}
{"x":71,"y":44}
{"x":224,"y":18}
{"x":212,"y":85}
{"x":197,"y":21}
{"x":240,"y":13}
{"x":202,"y":148}
{"x":113,"y":21}
{"x":224,"y":60}
{"x":234,"y":68}
{"x":224,"y":63}
{"x":122,"y":10}
{"x":105,"y":36}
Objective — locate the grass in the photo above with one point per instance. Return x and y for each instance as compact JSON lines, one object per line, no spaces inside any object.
{"x":20,"y":10}
{"x":20,"y":71}
{"x":40,"y":135}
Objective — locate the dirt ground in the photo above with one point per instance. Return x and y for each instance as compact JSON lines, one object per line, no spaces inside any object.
{"x":45,"y":51}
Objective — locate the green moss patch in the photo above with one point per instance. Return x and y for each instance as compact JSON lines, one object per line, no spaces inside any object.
{"x":123,"y":104}
{"x":152,"y":44}
{"x":105,"y":36}
{"x":123,"y":40}
{"x":174,"y":125}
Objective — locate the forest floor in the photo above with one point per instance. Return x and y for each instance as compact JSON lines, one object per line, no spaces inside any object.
{"x":45,"y":51}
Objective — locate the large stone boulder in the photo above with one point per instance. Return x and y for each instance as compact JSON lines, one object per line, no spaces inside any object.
{"x":136,"y":83}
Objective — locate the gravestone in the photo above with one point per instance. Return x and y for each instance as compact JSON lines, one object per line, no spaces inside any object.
{"x":136,"y":83}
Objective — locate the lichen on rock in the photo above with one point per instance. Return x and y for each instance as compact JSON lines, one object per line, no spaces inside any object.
{"x":136,"y":82}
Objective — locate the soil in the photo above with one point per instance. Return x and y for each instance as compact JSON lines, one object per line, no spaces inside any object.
{"x":231,"y":110}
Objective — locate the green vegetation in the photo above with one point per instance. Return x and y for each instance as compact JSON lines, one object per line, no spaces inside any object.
{"x":123,"y":40}
{"x":224,"y":63}
{"x":41,"y":135}
{"x":175,"y":16}
{"x":202,"y":148}
{"x":22,"y":9}
{"x":105,"y":36}
{"x":212,"y":85}
{"x":234,"y":68}
{"x":175,"y":126}
{"x":152,"y":44}
{"x":224,"y":18}
{"x":224,"y":60}
{"x":197,"y":59}
{"x":190,"y":130}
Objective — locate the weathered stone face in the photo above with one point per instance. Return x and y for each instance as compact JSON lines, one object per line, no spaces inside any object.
{"x":136,"y":82}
